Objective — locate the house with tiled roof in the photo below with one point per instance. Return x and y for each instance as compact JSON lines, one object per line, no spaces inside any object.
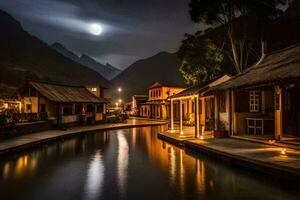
{"x":157,"y":106}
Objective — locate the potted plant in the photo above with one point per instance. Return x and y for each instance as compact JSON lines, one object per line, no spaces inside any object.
{"x":221,"y":131}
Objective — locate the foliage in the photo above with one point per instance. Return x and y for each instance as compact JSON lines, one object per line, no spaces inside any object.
{"x":224,"y":12}
{"x":117,"y":117}
{"x":200,"y":60}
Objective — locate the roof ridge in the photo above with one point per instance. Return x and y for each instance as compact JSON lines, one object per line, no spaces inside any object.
{"x":55,"y":83}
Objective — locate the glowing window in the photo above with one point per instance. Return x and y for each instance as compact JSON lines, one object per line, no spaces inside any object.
{"x":254,"y":101}
{"x":94,"y":89}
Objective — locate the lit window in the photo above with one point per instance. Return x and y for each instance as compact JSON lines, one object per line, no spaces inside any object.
{"x":254,"y":101}
{"x":94,"y":89}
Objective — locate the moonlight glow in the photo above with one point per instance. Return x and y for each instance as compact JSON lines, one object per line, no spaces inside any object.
{"x":95,"y":29}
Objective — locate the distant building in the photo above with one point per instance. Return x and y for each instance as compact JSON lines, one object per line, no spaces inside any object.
{"x":157,"y":106}
{"x":63,"y":104}
{"x":97,"y":90}
{"x":136,"y":102}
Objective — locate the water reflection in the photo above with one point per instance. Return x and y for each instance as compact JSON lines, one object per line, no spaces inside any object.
{"x":122,"y":161}
{"x":126,"y":164}
{"x":20,"y":167}
{"x":95,"y":177}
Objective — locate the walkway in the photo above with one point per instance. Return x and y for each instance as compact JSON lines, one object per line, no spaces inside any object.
{"x":25,"y":141}
{"x":278,"y":161}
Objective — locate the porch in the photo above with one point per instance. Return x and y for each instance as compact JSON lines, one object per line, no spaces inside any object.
{"x":196,"y":117}
{"x":266,"y":113}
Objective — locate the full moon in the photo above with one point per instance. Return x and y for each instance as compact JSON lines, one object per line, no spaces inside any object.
{"x":95,"y":29}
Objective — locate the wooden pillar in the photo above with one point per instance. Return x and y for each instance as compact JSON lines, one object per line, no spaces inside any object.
{"x":60,"y":113}
{"x":197,"y":124}
{"x":172,"y":115}
{"x":216,"y":112}
{"x":232,"y":113}
{"x":263,"y":103}
{"x":278,"y":113}
{"x":202,"y":116}
{"x":104,"y":108}
{"x":180,"y":113}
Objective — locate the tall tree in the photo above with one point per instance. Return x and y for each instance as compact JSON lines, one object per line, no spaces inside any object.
{"x":224,"y":12}
{"x":200,"y":60}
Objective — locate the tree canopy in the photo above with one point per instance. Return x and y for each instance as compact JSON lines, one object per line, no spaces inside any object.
{"x":200,"y":60}
{"x":224,"y":12}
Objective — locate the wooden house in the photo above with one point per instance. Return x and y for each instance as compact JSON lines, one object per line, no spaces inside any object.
{"x":63,"y":104}
{"x":263,"y":100}
{"x":195,"y":109}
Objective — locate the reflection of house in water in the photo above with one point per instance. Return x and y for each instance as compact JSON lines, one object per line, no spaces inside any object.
{"x":157,"y":106}
{"x":63,"y":104}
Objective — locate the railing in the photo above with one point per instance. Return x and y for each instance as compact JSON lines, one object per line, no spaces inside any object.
{"x":13,"y":118}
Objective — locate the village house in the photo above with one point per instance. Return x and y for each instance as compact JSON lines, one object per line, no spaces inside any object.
{"x":195,"y":109}
{"x":157,"y":106}
{"x":62,"y":104}
{"x":263,"y":101}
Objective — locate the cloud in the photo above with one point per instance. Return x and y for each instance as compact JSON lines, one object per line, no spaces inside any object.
{"x":133,"y":29}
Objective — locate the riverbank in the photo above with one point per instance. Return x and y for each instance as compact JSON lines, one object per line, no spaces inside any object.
{"x":283,"y":163}
{"x":26,"y":141}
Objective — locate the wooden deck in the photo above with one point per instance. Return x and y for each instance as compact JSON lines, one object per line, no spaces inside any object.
{"x":278,"y":161}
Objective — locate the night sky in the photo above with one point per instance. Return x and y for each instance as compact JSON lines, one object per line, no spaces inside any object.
{"x":132,"y":29}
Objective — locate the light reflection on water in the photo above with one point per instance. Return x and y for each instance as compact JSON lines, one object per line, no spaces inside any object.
{"x":122,"y":161}
{"x":126,"y":164}
{"x":95,"y":177}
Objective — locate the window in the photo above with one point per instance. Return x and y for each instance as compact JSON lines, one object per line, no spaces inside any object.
{"x":100,"y":108}
{"x":77,"y":109}
{"x":67,"y":110}
{"x":159,"y":93}
{"x":94,"y":89}
{"x":28,"y":107}
{"x":254,"y":101}
{"x":43,"y":107}
{"x":90,"y":108}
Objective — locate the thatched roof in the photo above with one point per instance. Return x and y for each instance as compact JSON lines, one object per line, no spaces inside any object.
{"x":200,"y":88}
{"x":278,"y":66}
{"x":64,"y":93}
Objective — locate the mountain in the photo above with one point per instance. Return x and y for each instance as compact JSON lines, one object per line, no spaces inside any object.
{"x":23,"y":56}
{"x":107,"y":70}
{"x":140,"y":75}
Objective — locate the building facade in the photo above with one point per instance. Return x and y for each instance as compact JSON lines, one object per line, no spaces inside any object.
{"x":195,"y":108}
{"x":263,"y":101}
{"x":157,"y":106}
{"x":62,"y":104}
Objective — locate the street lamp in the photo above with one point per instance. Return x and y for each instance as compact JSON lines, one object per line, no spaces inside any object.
{"x":119,"y":89}
{"x":120,"y":100}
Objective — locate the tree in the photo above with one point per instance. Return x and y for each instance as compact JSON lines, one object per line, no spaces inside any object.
{"x":224,"y":12}
{"x":200,"y":60}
